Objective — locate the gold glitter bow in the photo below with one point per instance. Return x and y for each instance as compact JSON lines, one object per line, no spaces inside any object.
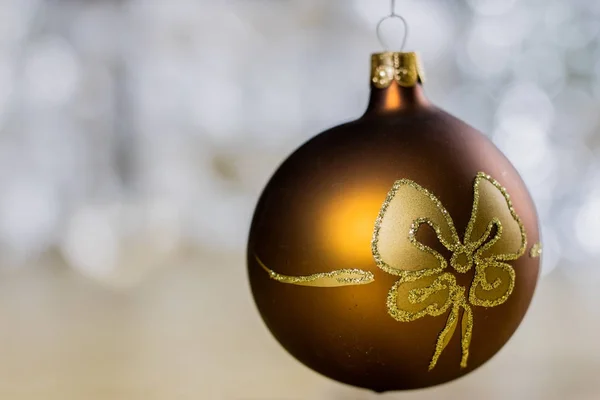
{"x":494,"y":234}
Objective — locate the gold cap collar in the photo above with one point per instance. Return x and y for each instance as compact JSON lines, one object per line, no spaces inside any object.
{"x":404,"y":68}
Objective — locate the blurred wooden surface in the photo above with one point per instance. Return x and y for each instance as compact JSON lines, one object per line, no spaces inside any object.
{"x":191,"y":332}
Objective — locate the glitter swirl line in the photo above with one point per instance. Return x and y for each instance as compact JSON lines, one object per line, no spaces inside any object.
{"x":341,"y":277}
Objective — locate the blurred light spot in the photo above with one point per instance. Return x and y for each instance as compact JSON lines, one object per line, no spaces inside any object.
{"x":526,"y":100}
{"x":97,"y":91}
{"x":502,"y":31}
{"x":273,"y":107}
{"x":372,"y":12}
{"x":581,"y":61}
{"x":523,"y":141}
{"x":16,"y":16}
{"x":160,"y":88}
{"x":577,"y":113}
{"x":215,"y":103}
{"x":565,"y":217}
{"x":551,"y":250}
{"x":120,"y":244}
{"x":6,"y":87}
{"x":97,"y":29}
{"x":491,"y":7}
{"x":587,"y":225}
{"x":596,"y":80}
{"x":541,"y":65}
{"x":91,"y":244}
{"x":55,"y":147}
{"x":557,"y":13}
{"x":184,"y":14}
{"x":566,"y":29}
{"x":163,"y":226}
{"x":51,"y":72}
{"x":221,"y":220}
{"x":177,"y":179}
{"x":483,"y":58}
{"x":28,"y":216}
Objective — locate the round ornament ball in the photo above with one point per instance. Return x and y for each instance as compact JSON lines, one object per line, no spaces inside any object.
{"x":397,"y":251}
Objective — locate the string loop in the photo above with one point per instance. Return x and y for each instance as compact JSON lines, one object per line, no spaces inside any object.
{"x":392,"y":15}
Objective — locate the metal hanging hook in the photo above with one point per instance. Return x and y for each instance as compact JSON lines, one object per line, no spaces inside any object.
{"x":392,"y":15}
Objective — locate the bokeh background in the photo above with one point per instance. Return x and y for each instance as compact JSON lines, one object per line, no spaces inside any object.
{"x":136,"y":136}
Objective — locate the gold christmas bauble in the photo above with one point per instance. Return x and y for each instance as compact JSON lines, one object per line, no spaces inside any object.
{"x":398,"y":251}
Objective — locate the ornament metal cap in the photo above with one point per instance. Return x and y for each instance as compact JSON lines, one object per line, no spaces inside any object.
{"x":404,"y":68}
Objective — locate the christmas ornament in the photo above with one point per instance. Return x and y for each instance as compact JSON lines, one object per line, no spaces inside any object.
{"x":398,"y":251}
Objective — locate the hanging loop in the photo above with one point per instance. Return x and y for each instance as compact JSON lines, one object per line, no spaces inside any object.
{"x":395,"y":16}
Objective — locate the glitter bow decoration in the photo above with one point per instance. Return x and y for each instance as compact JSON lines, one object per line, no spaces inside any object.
{"x":494,"y":235}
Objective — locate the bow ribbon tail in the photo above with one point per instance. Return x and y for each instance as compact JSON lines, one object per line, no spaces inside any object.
{"x":445,"y":335}
{"x":451,"y":323}
{"x":467,"y":331}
